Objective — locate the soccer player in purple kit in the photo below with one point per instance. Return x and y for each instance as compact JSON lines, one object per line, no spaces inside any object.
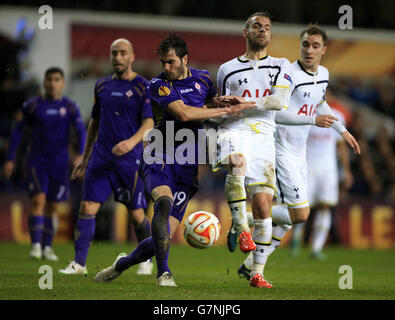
{"x":120,"y":116}
{"x":48,"y":119}
{"x":180,"y":96}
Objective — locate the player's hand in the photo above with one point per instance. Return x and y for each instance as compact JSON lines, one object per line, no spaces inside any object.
{"x":225,"y":101}
{"x":351,"y":142}
{"x":79,"y":170}
{"x":348,"y":179}
{"x":325,"y":121}
{"x":8,"y":169}
{"x":123,"y":147}
{"x":237,"y":108}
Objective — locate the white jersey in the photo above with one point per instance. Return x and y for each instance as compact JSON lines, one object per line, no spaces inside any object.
{"x":252,"y":78}
{"x":308,"y":91}
{"x":321,"y":146}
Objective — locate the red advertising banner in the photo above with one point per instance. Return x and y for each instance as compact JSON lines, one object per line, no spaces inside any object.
{"x":361,"y":223}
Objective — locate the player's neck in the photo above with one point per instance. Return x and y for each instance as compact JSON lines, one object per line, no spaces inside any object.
{"x":184,"y":75}
{"x":255,"y":55}
{"x":47,"y":96}
{"x":127,"y":75}
{"x":312,"y":69}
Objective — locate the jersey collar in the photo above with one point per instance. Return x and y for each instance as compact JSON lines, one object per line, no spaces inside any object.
{"x":308,"y":72}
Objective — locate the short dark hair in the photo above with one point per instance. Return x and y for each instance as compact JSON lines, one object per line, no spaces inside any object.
{"x":173,"y":41}
{"x":265,"y":14}
{"x":314,"y":28}
{"x":53,"y":70}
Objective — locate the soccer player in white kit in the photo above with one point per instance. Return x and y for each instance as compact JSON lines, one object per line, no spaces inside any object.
{"x":250,"y":139}
{"x":308,"y":99}
{"x":323,"y":149}
{"x":246,"y":144}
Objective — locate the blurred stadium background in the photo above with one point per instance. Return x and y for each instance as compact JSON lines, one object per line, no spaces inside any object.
{"x":361,"y":62}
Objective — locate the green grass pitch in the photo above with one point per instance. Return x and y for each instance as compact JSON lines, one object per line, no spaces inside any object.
{"x":201,"y":275}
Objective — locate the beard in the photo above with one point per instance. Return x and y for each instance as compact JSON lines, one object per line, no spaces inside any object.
{"x":256,"y":45}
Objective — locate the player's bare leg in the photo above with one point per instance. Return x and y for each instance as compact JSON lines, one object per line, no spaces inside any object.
{"x":36,"y":224}
{"x":236,"y":197}
{"x":262,"y":235}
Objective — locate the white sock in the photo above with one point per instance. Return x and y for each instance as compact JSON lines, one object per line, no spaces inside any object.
{"x":249,"y":260}
{"x":280,"y":215}
{"x":297,"y":232}
{"x":262,"y":237}
{"x":278,"y":234}
{"x":322,"y":223}
{"x":236,"y":196}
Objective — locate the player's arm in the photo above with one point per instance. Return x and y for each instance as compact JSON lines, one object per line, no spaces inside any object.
{"x":324,"y":108}
{"x":81,"y":133}
{"x":127,"y":145}
{"x":184,"y":113}
{"x":93,"y":129}
{"x":287,"y":118}
{"x":344,"y":158}
{"x":18,"y":130}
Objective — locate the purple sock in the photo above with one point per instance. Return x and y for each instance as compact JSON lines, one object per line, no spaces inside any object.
{"x":161,"y":233}
{"x":142,"y":230}
{"x":36,"y":227}
{"x":84,"y":234}
{"x":144,"y":251}
{"x":48,"y":234}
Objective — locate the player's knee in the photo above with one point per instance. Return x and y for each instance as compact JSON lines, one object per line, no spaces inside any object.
{"x":261,"y":204}
{"x":38,"y":203}
{"x":237,"y":164}
{"x":300,"y":215}
{"x":89,"y":207}
{"x":137,"y":215}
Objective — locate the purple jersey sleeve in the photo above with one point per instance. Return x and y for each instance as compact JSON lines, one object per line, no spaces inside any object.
{"x":95,"y":114}
{"x":78,"y":124}
{"x":162,"y":92}
{"x":147,"y":108}
{"x":17,"y":131}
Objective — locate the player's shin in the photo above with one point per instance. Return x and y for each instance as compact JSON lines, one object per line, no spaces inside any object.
{"x":144,"y":251}
{"x":161,"y":232}
{"x":84,"y":234}
{"x":262,"y":236}
{"x":142,"y":230}
{"x":278,"y":234}
{"x":36,"y":227}
{"x":49,"y":232}
{"x":236,"y":197}
{"x":321,"y":226}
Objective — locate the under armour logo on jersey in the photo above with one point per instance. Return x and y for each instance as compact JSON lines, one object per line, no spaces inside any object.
{"x":242,"y":81}
{"x":306,"y":94}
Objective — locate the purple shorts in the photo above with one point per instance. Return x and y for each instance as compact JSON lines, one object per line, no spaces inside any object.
{"x":51,"y":180}
{"x":182,"y":181}
{"x":103,"y":178}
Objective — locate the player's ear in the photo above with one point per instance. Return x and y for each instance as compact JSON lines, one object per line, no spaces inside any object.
{"x":132,"y":57}
{"x":245,"y":33}
{"x":324,"y":49}
{"x":185,"y":60}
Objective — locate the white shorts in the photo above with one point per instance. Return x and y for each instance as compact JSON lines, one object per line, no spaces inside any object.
{"x":323,"y":186}
{"x":291,"y":174}
{"x":259,"y":152}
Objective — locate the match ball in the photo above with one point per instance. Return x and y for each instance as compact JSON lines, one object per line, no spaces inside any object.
{"x":202,"y":229}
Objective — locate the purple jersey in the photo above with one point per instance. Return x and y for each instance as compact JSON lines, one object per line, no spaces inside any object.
{"x":50,"y":122}
{"x":121,"y":105}
{"x":193,"y":91}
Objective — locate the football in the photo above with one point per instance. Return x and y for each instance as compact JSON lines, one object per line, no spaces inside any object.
{"x":202,"y":229}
